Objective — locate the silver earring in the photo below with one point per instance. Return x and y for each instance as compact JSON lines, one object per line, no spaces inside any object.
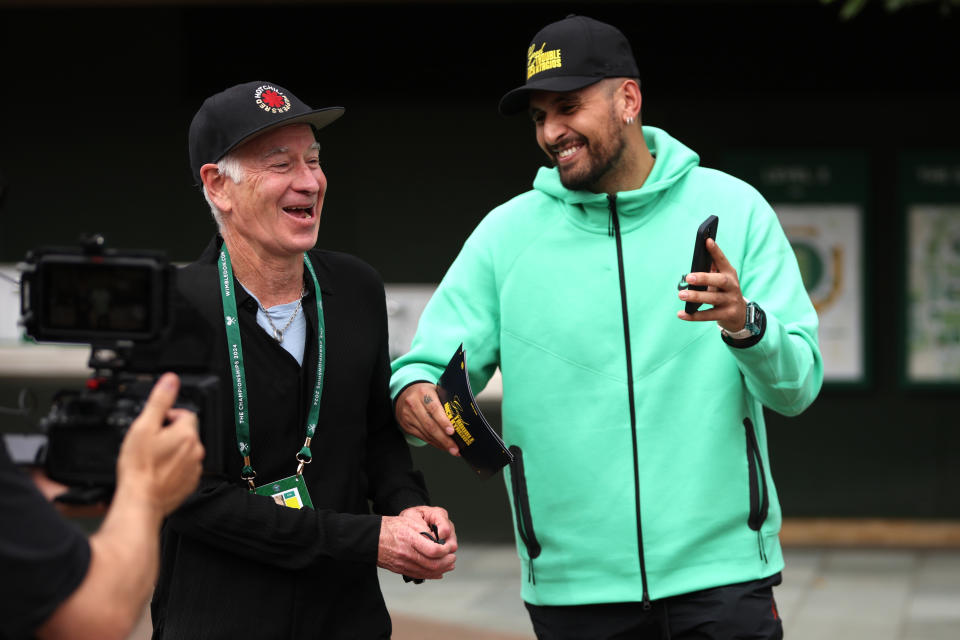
{"x":630,"y":120}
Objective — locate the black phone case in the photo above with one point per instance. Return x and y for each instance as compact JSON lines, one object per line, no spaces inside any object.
{"x":701,"y":257}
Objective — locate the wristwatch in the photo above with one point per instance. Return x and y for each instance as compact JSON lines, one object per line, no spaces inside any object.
{"x":753,"y":326}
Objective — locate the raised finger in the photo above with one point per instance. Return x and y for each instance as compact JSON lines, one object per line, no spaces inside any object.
{"x":160,"y":401}
{"x":719,"y":258}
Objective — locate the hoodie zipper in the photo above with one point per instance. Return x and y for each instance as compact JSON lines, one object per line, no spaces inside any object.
{"x":615,"y":223}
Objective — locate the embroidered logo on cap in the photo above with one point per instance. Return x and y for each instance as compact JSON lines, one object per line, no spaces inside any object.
{"x":271,"y":99}
{"x":539,"y":60}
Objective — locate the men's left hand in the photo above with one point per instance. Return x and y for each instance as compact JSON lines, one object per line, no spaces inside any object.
{"x":723,"y":293}
{"x":434,"y":516}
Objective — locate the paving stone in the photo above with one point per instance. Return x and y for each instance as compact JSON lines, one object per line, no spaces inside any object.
{"x":847,"y":594}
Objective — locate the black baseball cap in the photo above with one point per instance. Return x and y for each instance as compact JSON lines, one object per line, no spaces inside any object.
{"x":228,"y":119}
{"x":571,"y":54}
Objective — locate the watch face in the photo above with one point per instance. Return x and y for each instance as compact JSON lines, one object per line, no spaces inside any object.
{"x":753,"y":320}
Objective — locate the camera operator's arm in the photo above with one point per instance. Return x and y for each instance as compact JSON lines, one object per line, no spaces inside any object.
{"x":158,"y":466}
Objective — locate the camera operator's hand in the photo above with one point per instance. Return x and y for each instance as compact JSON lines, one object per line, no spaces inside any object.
{"x":161,"y":463}
{"x":158,"y":466}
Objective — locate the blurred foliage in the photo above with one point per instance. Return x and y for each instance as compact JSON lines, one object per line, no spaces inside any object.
{"x":850,"y":8}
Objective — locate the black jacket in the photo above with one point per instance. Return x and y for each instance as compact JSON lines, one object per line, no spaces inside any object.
{"x":238,"y":565}
{"x":43,"y":557}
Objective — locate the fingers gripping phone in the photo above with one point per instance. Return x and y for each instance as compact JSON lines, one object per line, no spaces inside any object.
{"x":701,"y":257}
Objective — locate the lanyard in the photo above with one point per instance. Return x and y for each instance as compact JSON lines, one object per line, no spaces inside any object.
{"x":235,"y":353}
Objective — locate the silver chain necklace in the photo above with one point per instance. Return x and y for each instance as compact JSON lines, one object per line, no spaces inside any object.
{"x":278,"y":333}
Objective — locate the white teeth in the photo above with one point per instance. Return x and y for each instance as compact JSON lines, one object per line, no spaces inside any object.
{"x":569,"y":151}
{"x":303,"y":211}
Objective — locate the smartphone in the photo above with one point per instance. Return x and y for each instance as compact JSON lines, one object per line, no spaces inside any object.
{"x":701,"y":257}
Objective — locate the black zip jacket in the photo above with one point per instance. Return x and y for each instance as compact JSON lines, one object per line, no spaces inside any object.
{"x":238,"y":565}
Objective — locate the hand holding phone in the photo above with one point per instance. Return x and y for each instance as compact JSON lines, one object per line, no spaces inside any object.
{"x":701,"y":257}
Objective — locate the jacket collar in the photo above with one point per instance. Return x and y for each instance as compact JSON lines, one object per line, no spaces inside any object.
{"x":591,"y":211}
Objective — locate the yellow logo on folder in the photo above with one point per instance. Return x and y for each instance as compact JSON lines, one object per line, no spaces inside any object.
{"x":454,"y":411}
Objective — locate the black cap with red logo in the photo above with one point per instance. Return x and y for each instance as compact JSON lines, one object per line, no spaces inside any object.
{"x":228,"y":119}
{"x":571,"y":54}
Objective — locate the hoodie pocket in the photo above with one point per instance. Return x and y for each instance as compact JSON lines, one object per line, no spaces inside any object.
{"x":521,"y":506}
{"x":759,"y":500}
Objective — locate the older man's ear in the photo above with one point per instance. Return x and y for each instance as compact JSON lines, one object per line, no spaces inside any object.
{"x":214,"y":183}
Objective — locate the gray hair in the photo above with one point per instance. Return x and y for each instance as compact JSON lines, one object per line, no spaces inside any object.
{"x":231,"y":167}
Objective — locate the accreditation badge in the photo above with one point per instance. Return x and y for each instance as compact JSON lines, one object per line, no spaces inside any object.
{"x":289,"y":492}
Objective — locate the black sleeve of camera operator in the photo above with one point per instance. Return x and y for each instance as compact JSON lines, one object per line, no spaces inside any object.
{"x":43,"y":558}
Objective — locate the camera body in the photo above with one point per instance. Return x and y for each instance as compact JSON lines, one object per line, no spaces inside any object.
{"x":95,"y":295}
{"x":86,"y":427}
{"x":123,"y":304}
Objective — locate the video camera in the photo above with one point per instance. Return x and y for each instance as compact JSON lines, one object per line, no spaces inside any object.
{"x":121,"y":303}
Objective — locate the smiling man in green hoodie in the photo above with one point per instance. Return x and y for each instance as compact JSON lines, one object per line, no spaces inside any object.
{"x":641,"y":487}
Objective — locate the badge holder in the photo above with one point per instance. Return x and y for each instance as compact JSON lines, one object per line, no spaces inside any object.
{"x":292,"y":491}
{"x":289,"y":492}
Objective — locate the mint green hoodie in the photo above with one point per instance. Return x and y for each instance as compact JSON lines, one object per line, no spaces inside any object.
{"x":618,"y":499}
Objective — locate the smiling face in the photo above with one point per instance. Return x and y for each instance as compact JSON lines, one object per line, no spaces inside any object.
{"x":275,"y":209}
{"x":581,"y":134}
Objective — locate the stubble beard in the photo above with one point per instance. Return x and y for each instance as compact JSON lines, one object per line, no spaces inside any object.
{"x":603,"y":156}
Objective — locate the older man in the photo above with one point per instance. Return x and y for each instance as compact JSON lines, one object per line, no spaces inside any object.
{"x":284,"y":544}
{"x":642,"y":497}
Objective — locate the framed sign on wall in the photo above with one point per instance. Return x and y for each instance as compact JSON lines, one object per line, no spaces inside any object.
{"x":820,"y":199}
{"x":930,"y":188}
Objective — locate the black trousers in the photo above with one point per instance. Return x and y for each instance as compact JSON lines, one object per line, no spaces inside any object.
{"x":738,"y":611}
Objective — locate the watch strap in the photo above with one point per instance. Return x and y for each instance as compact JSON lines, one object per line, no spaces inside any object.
{"x":743,"y":334}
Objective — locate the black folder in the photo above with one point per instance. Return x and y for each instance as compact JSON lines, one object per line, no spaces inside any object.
{"x":480,"y":446}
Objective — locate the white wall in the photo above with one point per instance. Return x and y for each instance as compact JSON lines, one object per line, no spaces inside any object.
{"x":20,"y":357}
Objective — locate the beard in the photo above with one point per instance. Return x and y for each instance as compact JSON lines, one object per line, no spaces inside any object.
{"x":603,"y":156}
